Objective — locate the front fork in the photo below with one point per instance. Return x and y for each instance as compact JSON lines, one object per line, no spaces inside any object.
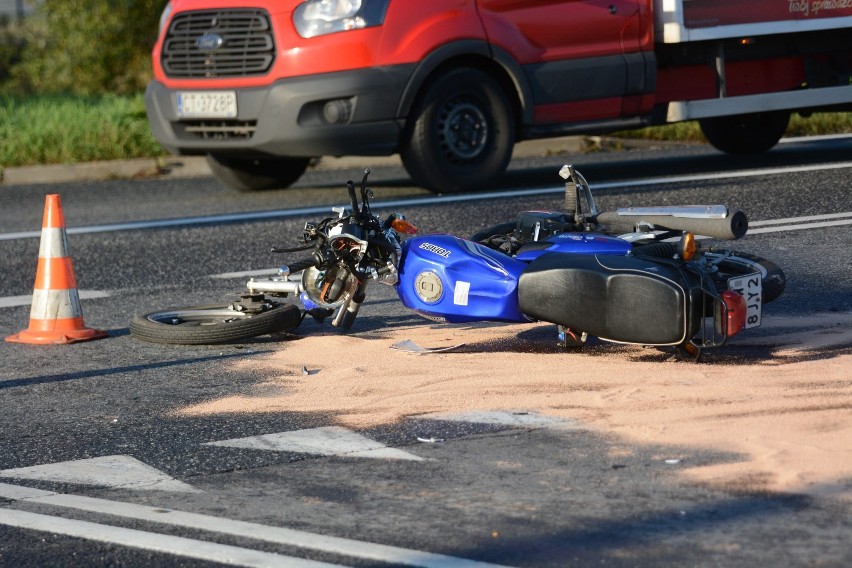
{"x":348,"y":311}
{"x":345,"y":314}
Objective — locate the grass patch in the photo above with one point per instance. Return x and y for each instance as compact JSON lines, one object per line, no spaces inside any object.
{"x":68,"y":129}
{"x":821,"y":123}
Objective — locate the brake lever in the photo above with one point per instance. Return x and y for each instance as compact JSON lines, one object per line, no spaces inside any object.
{"x":366,"y":192}
{"x":291,"y":249}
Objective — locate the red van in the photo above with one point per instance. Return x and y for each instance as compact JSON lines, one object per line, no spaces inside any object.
{"x":263,"y":87}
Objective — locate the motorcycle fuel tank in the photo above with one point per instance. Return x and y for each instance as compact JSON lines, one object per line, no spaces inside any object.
{"x":446,"y":278}
{"x":571,"y":242}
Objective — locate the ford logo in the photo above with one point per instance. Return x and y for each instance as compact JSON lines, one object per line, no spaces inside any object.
{"x":209,"y":42}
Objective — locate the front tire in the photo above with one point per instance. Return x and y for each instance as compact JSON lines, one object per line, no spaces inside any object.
{"x":245,"y":174}
{"x":461,"y":133}
{"x":745,"y":133}
{"x":204,"y":325}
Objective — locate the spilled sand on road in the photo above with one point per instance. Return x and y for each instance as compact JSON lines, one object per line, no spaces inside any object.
{"x":783,"y":400}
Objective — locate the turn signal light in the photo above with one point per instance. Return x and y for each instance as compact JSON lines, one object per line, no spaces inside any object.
{"x":403,"y":226}
{"x":736,"y":305}
{"x":687,"y":246}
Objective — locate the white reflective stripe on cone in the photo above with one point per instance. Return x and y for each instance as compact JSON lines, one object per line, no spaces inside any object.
{"x":54,"y":243}
{"x":56,"y":304}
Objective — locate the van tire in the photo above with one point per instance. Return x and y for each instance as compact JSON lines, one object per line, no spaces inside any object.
{"x":745,"y":133}
{"x":246,"y":174}
{"x":460,"y":134}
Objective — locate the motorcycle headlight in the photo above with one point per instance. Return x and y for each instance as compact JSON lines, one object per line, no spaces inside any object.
{"x":319,"y":17}
{"x":328,"y":288}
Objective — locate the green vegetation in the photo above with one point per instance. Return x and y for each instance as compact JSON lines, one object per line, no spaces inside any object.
{"x":823,"y":123}
{"x":62,"y":129}
{"x":83,"y":47}
{"x":65,"y":129}
{"x":71,"y":75}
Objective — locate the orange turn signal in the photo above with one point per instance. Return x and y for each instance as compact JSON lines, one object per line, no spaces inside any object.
{"x":687,"y":247}
{"x":403,"y":226}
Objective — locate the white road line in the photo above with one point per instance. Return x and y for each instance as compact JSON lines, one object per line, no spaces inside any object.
{"x":278,"y":535}
{"x":788,"y":228}
{"x":246,"y":273}
{"x":789,"y":224}
{"x":822,"y":137}
{"x":429,"y":200}
{"x":177,"y":545}
{"x":13,"y":301}
{"x":788,"y":220}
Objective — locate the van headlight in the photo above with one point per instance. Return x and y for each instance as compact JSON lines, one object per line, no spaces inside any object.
{"x":164,"y":17}
{"x":319,"y":17}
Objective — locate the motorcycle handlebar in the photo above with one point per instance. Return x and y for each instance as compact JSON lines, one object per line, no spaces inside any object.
{"x":731,"y":227}
{"x":301,"y":264}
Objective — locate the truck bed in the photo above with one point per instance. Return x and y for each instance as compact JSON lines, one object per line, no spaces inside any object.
{"x":679,"y":21}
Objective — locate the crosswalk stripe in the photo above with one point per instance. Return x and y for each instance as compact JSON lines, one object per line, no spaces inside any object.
{"x":278,"y":535}
{"x":176,"y":545}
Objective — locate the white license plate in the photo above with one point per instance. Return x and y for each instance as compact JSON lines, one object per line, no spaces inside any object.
{"x":750,"y":287}
{"x":207,"y":104}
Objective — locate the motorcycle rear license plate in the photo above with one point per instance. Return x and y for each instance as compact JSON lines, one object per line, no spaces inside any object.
{"x":207,"y":104}
{"x":750,"y":286}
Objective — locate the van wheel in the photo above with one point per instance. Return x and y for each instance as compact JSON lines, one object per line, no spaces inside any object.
{"x":745,"y":133}
{"x":246,"y":174}
{"x":461,"y":133}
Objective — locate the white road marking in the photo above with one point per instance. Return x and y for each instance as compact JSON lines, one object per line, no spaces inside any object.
{"x":799,"y":223}
{"x":755,"y":228}
{"x":13,"y":301}
{"x":124,"y":472}
{"x":516,"y":419}
{"x":246,"y":273}
{"x":277,"y":535}
{"x":177,"y":545}
{"x":326,"y":441}
{"x":800,"y":227}
{"x":822,"y":137}
{"x":413,"y":202}
{"x":804,"y":219}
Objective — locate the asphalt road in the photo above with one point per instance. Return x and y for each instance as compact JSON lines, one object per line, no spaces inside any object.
{"x":94,"y":468}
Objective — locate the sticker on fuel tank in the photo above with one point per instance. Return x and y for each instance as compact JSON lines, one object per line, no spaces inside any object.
{"x":461,"y":293}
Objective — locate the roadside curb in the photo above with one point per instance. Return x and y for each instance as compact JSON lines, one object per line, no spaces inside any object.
{"x":196,"y":166}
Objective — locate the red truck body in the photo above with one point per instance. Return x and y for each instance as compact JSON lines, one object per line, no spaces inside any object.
{"x":451,"y":85}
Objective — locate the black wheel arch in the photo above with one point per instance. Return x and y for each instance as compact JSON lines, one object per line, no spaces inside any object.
{"x":472,"y":53}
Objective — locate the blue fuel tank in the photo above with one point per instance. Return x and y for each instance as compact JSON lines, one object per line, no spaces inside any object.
{"x":446,"y":278}
{"x":574,"y":243}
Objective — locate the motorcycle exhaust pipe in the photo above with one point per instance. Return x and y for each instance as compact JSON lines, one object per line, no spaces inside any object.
{"x":714,"y":221}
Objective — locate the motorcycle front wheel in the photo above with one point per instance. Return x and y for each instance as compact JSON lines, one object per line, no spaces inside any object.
{"x":203,"y":325}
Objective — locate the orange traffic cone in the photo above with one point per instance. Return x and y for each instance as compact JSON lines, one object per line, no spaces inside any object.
{"x":56,"y":315}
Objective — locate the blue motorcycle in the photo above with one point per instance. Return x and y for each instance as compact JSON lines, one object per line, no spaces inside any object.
{"x":635,"y":275}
